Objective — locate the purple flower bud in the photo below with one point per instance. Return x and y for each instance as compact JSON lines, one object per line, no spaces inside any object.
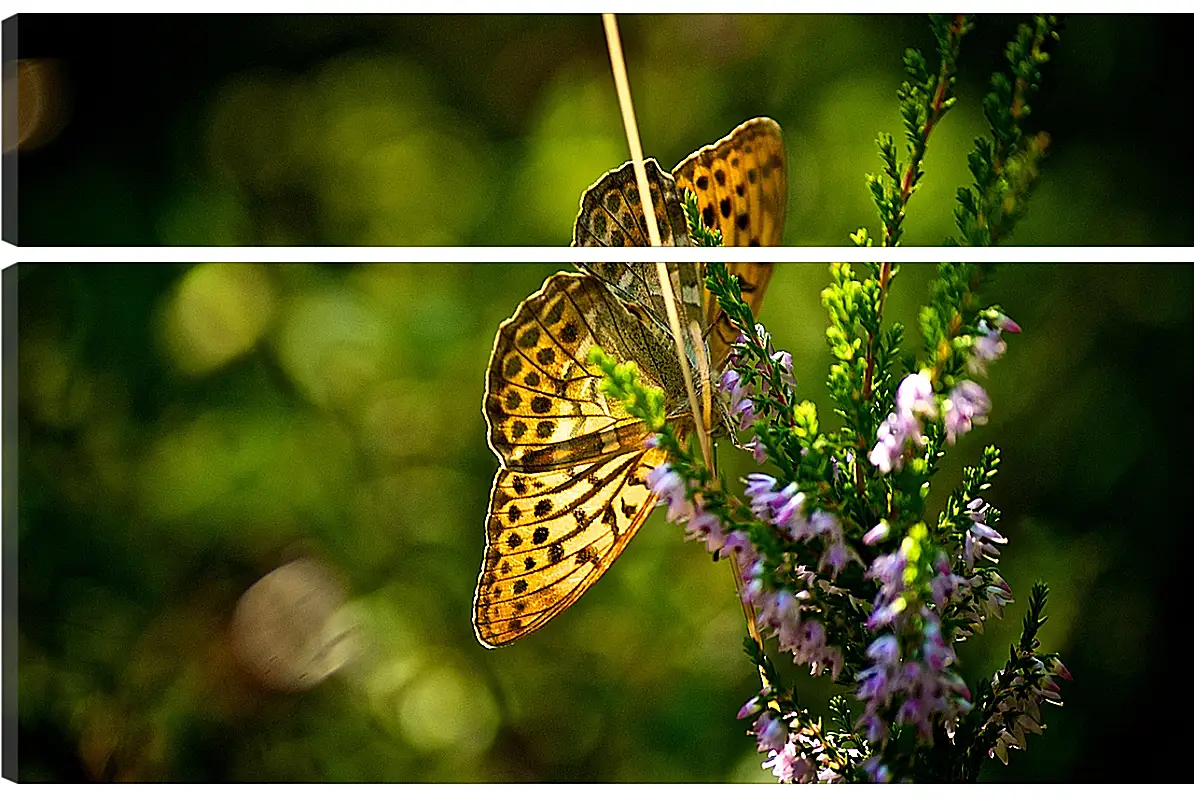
{"x":914,"y":711}
{"x":811,"y":641}
{"x":1051,"y":692}
{"x":758,"y":483}
{"x":945,"y":584}
{"x":883,"y":615}
{"x":1005,"y":323}
{"x":836,"y":557}
{"x":877,"y":533}
{"x":823,"y":523}
{"x":981,"y":540}
{"x":730,"y":379}
{"x":670,"y":487}
{"x":716,"y":540}
{"x":786,"y":504}
{"x":783,"y":359}
{"x":704,"y":525}
{"x":993,"y":599}
{"x":788,"y":765}
{"x":1058,"y":669}
{"x":988,"y":346}
{"x":984,"y":531}
{"x":746,"y":408}
{"x":663,"y":479}
{"x":738,"y":545}
{"x":872,"y":683}
{"x":755,"y":593}
{"x":889,"y":570}
{"x":888,"y":453}
{"x":937,"y":654}
{"x":835,"y":662}
{"x":781,"y":612}
{"x":753,"y":706}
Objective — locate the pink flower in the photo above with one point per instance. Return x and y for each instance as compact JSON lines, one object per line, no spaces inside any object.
{"x":967,"y":405}
{"x":988,"y":346}
{"x":915,"y":396}
{"x":771,"y":732}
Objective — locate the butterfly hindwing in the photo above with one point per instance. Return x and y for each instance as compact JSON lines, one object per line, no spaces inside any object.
{"x":741,"y":186}
{"x":551,"y":535}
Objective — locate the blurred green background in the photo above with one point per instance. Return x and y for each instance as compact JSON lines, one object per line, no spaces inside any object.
{"x":485,"y":130}
{"x":185,"y":430}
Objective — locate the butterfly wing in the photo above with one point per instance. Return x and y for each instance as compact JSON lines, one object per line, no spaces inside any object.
{"x":570,"y":493}
{"x":611,"y":215}
{"x":741,"y":186}
{"x":551,"y":535}
{"x":543,"y":401}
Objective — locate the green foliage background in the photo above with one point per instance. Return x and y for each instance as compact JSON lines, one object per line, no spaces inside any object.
{"x":183,"y":430}
{"x":459,"y":129}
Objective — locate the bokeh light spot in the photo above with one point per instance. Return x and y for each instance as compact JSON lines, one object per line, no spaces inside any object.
{"x":217,"y":312}
{"x":445,"y":708}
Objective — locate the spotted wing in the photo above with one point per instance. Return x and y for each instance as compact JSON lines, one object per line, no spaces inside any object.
{"x":611,"y":215}
{"x":543,"y":400}
{"x":741,"y":186}
{"x":551,"y":535}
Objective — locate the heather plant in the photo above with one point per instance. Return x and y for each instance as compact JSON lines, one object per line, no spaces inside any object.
{"x":840,"y":565}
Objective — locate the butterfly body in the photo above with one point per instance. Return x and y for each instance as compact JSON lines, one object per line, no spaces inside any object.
{"x":570,"y":491}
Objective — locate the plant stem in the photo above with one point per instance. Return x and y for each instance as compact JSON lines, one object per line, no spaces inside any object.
{"x":937,"y":110}
{"x":907,"y":186}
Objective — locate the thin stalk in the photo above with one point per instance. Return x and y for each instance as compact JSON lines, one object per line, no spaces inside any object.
{"x":622,"y":82}
{"x":701,"y":420}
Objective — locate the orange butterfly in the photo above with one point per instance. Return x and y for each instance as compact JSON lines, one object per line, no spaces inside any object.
{"x":570,"y":491}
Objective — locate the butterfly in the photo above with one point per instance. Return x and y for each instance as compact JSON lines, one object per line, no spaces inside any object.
{"x":570,"y":491}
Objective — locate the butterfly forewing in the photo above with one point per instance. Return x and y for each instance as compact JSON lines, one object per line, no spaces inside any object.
{"x":741,"y":186}
{"x":543,"y":399}
{"x":611,"y":215}
{"x":550,"y":535}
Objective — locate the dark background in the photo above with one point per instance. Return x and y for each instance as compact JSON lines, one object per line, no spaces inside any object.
{"x":184,"y":430}
{"x":433,"y":130}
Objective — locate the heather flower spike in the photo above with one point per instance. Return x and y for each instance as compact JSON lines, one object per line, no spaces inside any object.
{"x":838,"y":562}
